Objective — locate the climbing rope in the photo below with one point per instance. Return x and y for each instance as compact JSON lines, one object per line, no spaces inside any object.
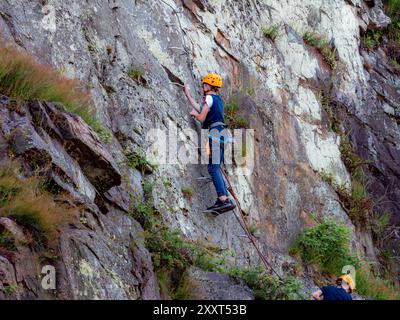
{"x":245,"y":227}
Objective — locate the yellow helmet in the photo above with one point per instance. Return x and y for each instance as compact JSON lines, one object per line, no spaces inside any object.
{"x":349,"y":280}
{"x":213,"y":79}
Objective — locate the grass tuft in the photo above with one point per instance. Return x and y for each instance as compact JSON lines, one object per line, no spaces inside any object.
{"x":233,"y":119}
{"x":24,"y":201}
{"x":137,"y":160}
{"x":270,"y":32}
{"x":137,"y":74}
{"x":327,"y":50}
{"x":24,"y":79}
{"x":187,"y":192}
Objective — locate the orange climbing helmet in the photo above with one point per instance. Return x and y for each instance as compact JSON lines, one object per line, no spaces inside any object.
{"x":347,"y":279}
{"x":213,"y":79}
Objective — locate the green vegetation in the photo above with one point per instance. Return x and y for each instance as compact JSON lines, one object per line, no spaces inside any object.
{"x":144,"y":213}
{"x":148,"y":187}
{"x":180,"y":289}
{"x":271,"y":32}
{"x":232,"y":117}
{"x":326,"y":105}
{"x":253,"y":228}
{"x":7,"y":240}
{"x":325,"y":245}
{"x":388,"y":38}
{"x":7,"y":192}
{"x":393,"y":10}
{"x":138,"y":161}
{"x":395,"y":65}
{"x":9,"y":289}
{"x":187,"y":192}
{"x":323,"y":46}
{"x":266,"y":286}
{"x":328,"y":177}
{"x":356,"y":201}
{"x":24,"y":79}
{"x":374,"y":287}
{"x":167,"y":182}
{"x":137,"y":75}
{"x":105,"y":134}
{"x":171,"y":253}
{"x":25,"y":201}
{"x":372,"y":39}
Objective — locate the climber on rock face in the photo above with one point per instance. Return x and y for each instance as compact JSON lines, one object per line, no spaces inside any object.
{"x":211,"y":113}
{"x":344,"y":287}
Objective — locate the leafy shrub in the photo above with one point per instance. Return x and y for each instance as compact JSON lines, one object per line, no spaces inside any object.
{"x":326,"y":245}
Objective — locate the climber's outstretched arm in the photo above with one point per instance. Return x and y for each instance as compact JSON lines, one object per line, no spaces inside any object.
{"x":194,"y":104}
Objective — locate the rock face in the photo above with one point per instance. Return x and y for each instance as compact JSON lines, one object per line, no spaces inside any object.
{"x":100,"y":258}
{"x":279,"y":82}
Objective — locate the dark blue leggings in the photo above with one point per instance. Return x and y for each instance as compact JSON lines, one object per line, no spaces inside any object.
{"x":216,"y":159}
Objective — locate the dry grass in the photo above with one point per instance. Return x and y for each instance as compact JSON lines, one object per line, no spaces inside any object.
{"x":376,"y":288}
{"x":24,"y":79}
{"x":25,"y":201}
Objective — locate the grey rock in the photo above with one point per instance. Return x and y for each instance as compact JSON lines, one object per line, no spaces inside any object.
{"x":215,"y":286}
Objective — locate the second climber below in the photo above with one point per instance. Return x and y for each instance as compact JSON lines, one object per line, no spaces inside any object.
{"x":210,"y":112}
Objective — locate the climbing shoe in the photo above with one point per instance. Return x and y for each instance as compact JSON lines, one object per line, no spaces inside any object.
{"x":222,"y":206}
{"x":228,"y":206}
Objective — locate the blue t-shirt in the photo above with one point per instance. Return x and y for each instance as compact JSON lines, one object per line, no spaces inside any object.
{"x":333,"y":293}
{"x":216,"y":113}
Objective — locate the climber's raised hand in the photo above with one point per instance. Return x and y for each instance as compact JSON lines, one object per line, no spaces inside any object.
{"x":194,"y":104}
{"x":186,"y":91}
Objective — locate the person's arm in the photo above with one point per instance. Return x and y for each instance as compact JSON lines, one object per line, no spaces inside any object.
{"x":317,"y":295}
{"x":202,"y":115}
{"x":194,"y":104}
